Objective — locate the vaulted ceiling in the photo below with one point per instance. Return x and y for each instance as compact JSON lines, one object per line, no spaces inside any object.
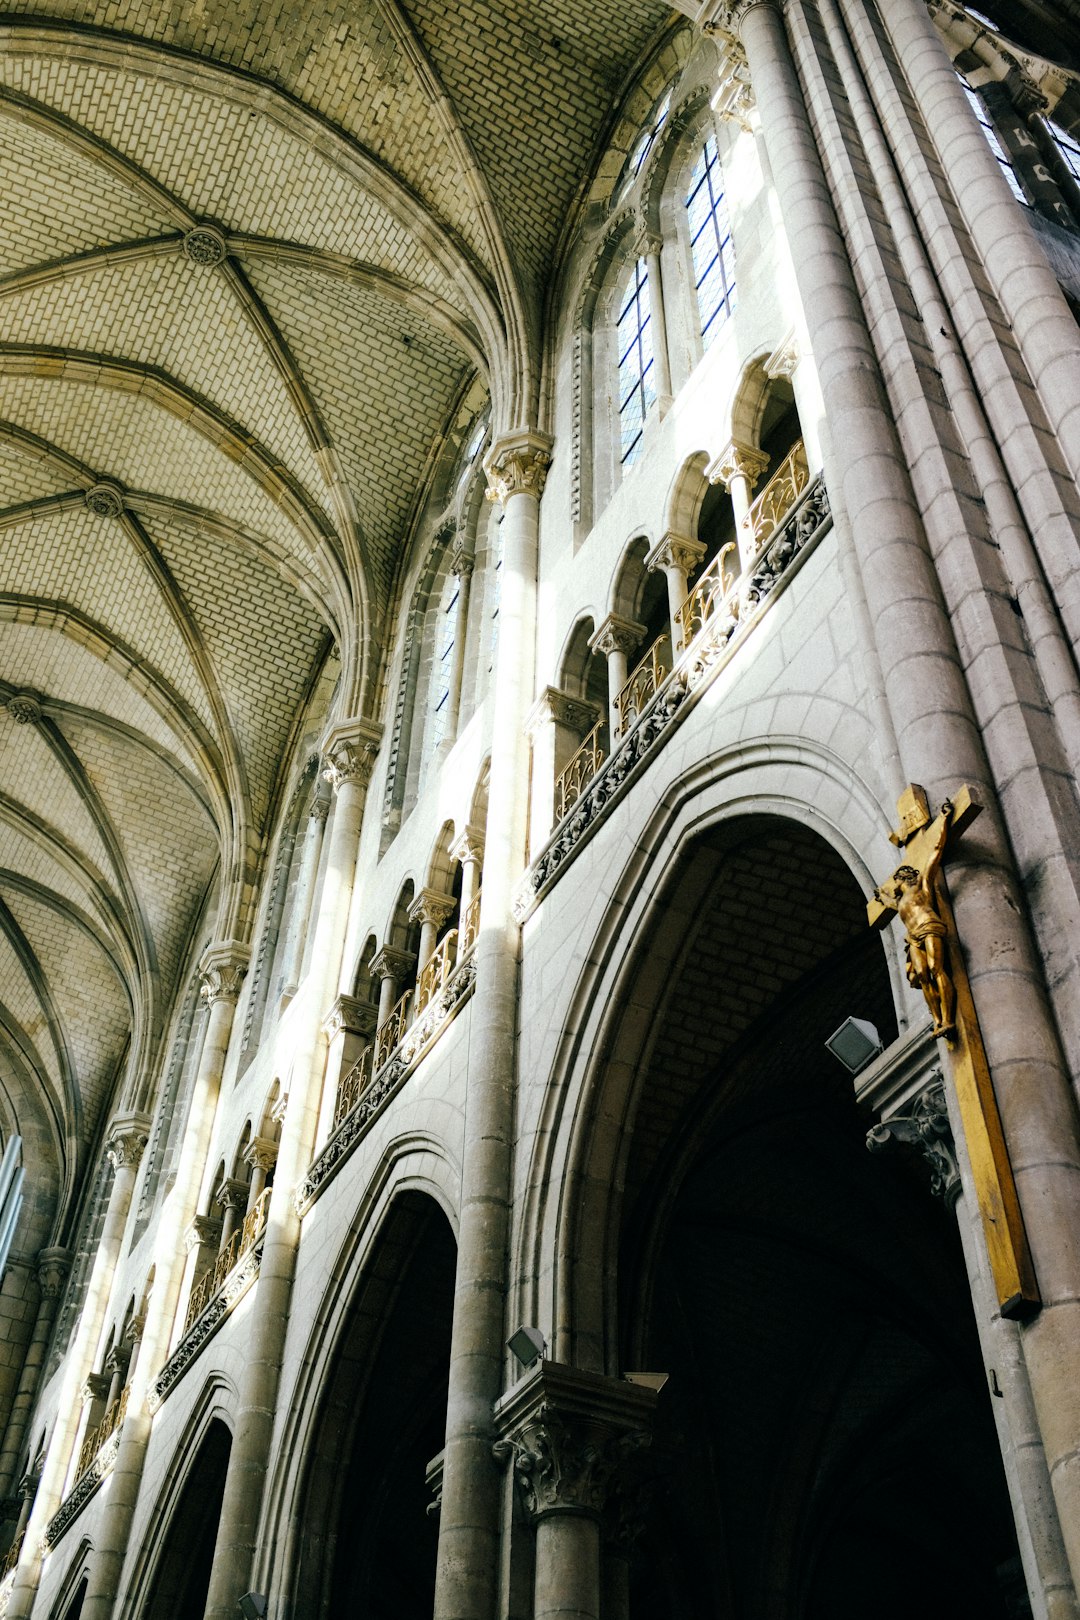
{"x":252,"y":258}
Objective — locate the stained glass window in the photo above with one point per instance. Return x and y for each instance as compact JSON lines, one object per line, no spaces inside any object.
{"x":637,"y":388}
{"x":710,"y":240}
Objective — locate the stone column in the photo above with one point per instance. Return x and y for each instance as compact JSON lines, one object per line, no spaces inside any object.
{"x":557,"y":725}
{"x":431,"y":910}
{"x":647,"y":247}
{"x":261,"y":1155}
{"x":461,"y":564}
{"x":468,"y":851}
{"x":390,"y":967}
{"x":924,"y":1125}
{"x":53,"y":1266}
{"x":221,"y":971}
{"x":126,"y":1139}
{"x":231,"y":1198}
{"x":570,"y":1437}
{"x":939,"y":743}
{"x":350,"y":748}
{"x":676,"y":555}
{"x":202,"y":1240}
{"x":738,"y":467}
{"x":115,"y":1365}
{"x":349,"y":1027}
{"x":616,"y":638}
{"x":318,"y":810}
{"x":466,"y":1580}
{"x":27,"y":1491}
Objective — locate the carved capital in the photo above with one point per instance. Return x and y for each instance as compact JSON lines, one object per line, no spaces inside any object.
{"x":126,"y":1140}
{"x":261,"y":1154}
{"x":784,"y":358}
{"x":319,"y":804}
{"x":462,"y":562}
{"x":734,"y":99}
{"x":616,"y":634}
{"x":570,"y":1436}
{"x":559,"y":708}
{"x":392,"y":964}
{"x":115,"y":1362}
{"x":27,"y":1486}
{"x":349,"y":751}
{"x":231,"y":1194}
{"x":468,"y":846}
{"x":134,"y":1330}
{"x":53,"y":1266}
{"x":222,"y":971}
{"x":726,"y":17}
{"x":926,"y":1127}
{"x":517,"y":465}
{"x":431,"y":907}
{"x":675,"y":551}
{"x":647,"y":242}
{"x":24,"y":708}
{"x":736,"y":460}
{"x":350,"y":1015}
{"x":205,"y":1230}
{"x":95,"y":1387}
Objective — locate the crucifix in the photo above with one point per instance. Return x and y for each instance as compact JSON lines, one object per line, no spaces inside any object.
{"x":916,"y":893}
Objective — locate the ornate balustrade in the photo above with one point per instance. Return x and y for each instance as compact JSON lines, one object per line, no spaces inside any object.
{"x":242,"y":1241}
{"x":383,"y":1067}
{"x":643,"y":684}
{"x":724,"y":619}
{"x":97,"y":1457}
{"x":11,"y":1557}
{"x":713,"y":589}
{"x":778,"y":497}
{"x":570,"y":783}
{"x":214,"y":1296}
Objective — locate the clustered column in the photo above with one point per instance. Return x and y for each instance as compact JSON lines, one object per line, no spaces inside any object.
{"x":53,"y":1265}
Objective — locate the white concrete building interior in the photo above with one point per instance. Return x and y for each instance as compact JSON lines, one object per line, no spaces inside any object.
{"x":539,"y":810}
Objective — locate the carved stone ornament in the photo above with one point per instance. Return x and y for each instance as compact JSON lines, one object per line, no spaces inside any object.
{"x":127,"y":1141}
{"x":53,"y":1266}
{"x":392,"y":964}
{"x":106,"y":500}
{"x":134,"y":1331}
{"x":115,"y":1362}
{"x":737,"y":460}
{"x":734,"y":101}
{"x":517,"y":465}
{"x":353,"y":1016}
{"x":231,"y":1194}
{"x":926,"y":1128}
{"x":616,"y":634}
{"x":204,"y":1230}
{"x":24,"y":708}
{"x":570,"y":1436}
{"x":646,"y":241}
{"x":222,"y":971}
{"x":205,"y":245}
{"x":675,"y":551}
{"x":468,"y":846}
{"x":431,"y":907}
{"x":261,"y":1154}
{"x":559,"y":708}
{"x":319,"y":804}
{"x":95,"y":1387}
{"x":462,"y":562}
{"x":349,"y":751}
{"x":725,"y":17}
{"x":784,"y":359}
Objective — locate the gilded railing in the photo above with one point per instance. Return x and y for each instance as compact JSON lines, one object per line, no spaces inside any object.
{"x":710,"y":592}
{"x":351,"y":1085}
{"x":570,"y":783}
{"x":11,"y":1557}
{"x":393,"y":1030}
{"x":644,"y":683}
{"x":240,"y":1243}
{"x":437,"y":969}
{"x":778,"y":497}
{"x":108,"y":1426}
{"x":470,"y":928}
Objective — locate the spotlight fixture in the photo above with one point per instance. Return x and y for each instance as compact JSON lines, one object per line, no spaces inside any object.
{"x":855,"y":1043}
{"x":253,"y":1606}
{"x":654,"y":1381}
{"x":527,"y":1343}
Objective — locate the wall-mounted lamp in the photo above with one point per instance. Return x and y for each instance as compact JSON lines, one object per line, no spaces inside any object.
{"x":527,"y":1343}
{"x":253,"y":1606}
{"x":856,"y":1043}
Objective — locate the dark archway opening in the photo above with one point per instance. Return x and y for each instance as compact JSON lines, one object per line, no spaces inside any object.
{"x":182,"y":1579}
{"x":825,"y":1445}
{"x":370,"y":1543}
{"x":75,"y":1607}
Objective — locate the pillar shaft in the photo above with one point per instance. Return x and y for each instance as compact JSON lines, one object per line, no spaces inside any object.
{"x":469,"y":1516}
{"x":351,"y":748}
{"x":567,"y":1585}
{"x":309,"y":868}
{"x":939,"y":745}
{"x":53,"y":1266}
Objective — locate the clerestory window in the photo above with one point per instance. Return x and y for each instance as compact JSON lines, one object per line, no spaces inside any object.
{"x":710,"y":242}
{"x":1069,"y":148}
{"x":637,"y":384}
{"x":446,"y":633}
{"x":993,"y":139}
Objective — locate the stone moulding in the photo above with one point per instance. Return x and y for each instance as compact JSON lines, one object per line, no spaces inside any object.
{"x":204,"y":1327}
{"x":387,"y":1081}
{"x":713,"y":648}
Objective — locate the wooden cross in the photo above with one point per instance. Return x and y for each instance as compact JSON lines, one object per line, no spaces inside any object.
{"x":916,"y":892}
